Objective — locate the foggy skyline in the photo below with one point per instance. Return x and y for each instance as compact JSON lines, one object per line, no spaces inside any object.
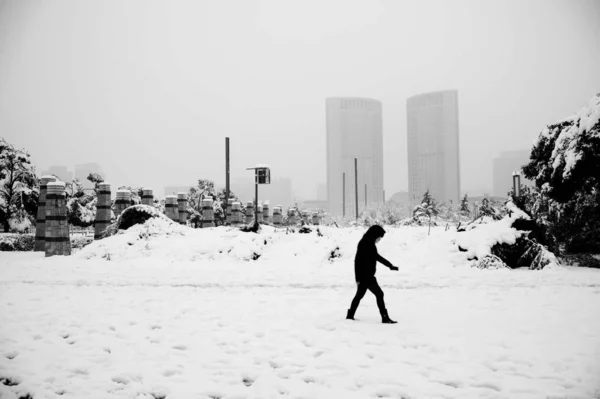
{"x":149,"y":90}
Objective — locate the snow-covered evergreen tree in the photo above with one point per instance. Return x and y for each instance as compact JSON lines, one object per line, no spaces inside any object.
{"x":18,"y":183}
{"x":564,"y":165}
{"x":426,"y":210}
{"x":464,"y":206}
{"x":486,"y":209}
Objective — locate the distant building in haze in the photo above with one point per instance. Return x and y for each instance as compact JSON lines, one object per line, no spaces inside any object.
{"x":354,"y":130}
{"x":83,"y":170}
{"x":433,"y":151}
{"x":401,"y":197}
{"x":63,"y":173}
{"x":279,"y":192}
{"x":503,"y":168}
{"x":174,"y":190}
{"x":322,"y":192}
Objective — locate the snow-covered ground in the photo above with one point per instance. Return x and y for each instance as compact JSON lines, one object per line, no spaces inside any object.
{"x":167,"y":311}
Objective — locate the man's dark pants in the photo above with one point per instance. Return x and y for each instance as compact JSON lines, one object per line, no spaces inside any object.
{"x":371,"y":285}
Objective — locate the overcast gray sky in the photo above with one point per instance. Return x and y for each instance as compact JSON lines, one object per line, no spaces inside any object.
{"x":149,"y":89}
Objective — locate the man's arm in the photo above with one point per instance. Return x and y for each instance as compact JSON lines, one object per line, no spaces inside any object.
{"x":383,"y":260}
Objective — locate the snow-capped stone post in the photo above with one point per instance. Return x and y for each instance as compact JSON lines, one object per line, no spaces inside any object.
{"x":293,"y":219}
{"x":229,"y":211}
{"x":208,"y":214}
{"x":265,"y":212}
{"x":103,"y":210}
{"x":40,"y":223}
{"x":259,"y":213}
{"x":249,"y":212}
{"x":236,"y":213}
{"x":517,"y":184}
{"x":182,"y":207}
{"x":277,"y":216}
{"x":122,"y":202}
{"x":56,"y":240}
{"x":315,"y":218}
{"x":147,"y":197}
{"x":171,"y":210}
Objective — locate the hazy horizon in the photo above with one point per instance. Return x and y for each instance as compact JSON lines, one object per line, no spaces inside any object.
{"x":149,"y":90}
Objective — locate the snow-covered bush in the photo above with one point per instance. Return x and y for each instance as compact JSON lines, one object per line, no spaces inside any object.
{"x":490,"y":262}
{"x":81,"y":240}
{"x":137,"y":214}
{"x":16,"y":242}
{"x":513,"y":239}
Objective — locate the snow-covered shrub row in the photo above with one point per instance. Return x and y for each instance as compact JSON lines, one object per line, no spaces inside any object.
{"x":16,"y":242}
{"x":161,"y":237}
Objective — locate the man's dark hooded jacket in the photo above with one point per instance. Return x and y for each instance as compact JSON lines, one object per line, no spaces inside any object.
{"x":367,"y":256}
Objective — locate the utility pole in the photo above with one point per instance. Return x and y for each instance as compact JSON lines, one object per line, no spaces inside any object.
{"x":226,"y":176}
{"x":344,"y":194}
{"x":356,"y":186}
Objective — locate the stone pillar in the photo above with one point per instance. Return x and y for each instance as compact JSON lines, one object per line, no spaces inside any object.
{"x":259,"y":214}
{"x":293,"y":218}
{"x":103,"y":211}
{"x":315,"y":218}
{"x":56,"y":240}
{"x":182,"y":207}
{"x":208,"y":214}
{"x":229,"y":211}
{"x":40,"y":223}
{"x":236,"y":213}
{"x":122,"y":202}
{"x":171,"y":210}
{"x":249,"y":212}
{"x":265,"y":212}
{"x":147,"y":197}
{"x":277,"y":216}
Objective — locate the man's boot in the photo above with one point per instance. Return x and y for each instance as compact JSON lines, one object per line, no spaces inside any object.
{"x":350,"y":315}
{"x":385,"y":319}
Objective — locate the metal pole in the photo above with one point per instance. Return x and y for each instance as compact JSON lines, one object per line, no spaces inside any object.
{"x":517,"y":184}
{"x":356,"y":186}
{"x":226,"y":175}
{"x":256,"y":200}
{"x":344,"y":194}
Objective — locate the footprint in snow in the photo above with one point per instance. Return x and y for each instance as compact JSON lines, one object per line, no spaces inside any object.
{"x":180,"y":347}
{"x":170,"y":372}
{"x":487,"y":385}
{"x":120,"y":379}
{"x":11,"y":355}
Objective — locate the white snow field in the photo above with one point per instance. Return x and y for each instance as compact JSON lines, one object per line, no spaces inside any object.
{"x":164,"y":311}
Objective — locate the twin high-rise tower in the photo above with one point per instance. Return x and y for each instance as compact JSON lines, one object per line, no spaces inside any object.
{"x":354,"y":130}
{"x":433,"y":155}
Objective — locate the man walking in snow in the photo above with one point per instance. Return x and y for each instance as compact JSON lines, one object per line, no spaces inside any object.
{"x":364,"y":271}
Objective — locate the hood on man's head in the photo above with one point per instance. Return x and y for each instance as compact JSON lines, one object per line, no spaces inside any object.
{"x":375,"y":232}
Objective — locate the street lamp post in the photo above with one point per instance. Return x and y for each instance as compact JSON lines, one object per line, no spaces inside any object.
{"x":517,"y":184}
{"x":262,"y":175}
